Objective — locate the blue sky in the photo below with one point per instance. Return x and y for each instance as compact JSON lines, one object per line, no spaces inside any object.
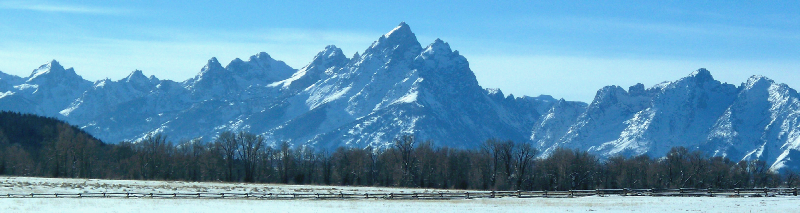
{"x":568,"y":50}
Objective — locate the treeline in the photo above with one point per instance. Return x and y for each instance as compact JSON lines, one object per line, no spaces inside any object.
{"x":244,"y":157}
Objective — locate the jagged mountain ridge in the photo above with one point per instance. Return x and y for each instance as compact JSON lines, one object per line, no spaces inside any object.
{"x":395,"y":87}
{"x":398,"y":87}
{"x":757,"y":120}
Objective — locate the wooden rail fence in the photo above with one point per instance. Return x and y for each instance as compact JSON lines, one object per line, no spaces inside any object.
{"x":683,"y":192}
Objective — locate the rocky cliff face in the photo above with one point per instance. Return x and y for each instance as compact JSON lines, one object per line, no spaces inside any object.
{"x":756,"y":120}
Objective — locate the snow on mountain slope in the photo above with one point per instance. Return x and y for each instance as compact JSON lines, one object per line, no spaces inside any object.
{"x":394,"y":88}
{"x":761,"y":124}
{"x":433,"y":95}
{"x":651,"y":121}
{"x":107,"y":93}
{"x":555,"y":123}
{"x":757,"y":120}
{"x":49,"y":89}
{"x":260,"y":68}
{"x":604,"y":119}
{"x":8,"y":81}
{"x":679,"y":114}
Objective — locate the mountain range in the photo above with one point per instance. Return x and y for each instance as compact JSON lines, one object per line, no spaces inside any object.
{"x":398,"y":87}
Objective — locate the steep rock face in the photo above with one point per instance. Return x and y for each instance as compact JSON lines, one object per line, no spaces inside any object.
{"x":757,"y":120}
{"x":238,"y":80}
{"x":321,"y":67}
{"x":350,"y":91}
{"x":105,"y":93}
{"x":201,"y":106}
{"x":46,"y":91}
{"x":679,"y":113}
{"x":133,"y":119}
{"x":259,"y":69}
{"x":651,"y":121}
{"x":555,"y":123}
{"x":761,"y":124}
{"x":605,"y":118}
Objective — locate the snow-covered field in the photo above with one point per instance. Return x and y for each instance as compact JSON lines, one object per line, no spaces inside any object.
{"x":26,"y":185}
{"x":584,"y":204}
{"x":581,"y":204}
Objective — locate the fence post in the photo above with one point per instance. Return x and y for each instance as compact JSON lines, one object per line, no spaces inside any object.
{"x":492,"y":194}
{"x":467,"y":195}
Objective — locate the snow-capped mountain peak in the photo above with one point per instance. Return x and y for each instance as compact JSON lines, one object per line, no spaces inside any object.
{"x":261,"y":56}
{"x":401,"y":31}
{"x":260,"y":69}
{"x":756,"y":81}
{"x":52,"y":74}
{"x":399,"y":44}
{"x":49,"y":89}
{"x":138,"y":77}
{"x":50,"y":67}
{"x":439,"y":46}
{"x":701,"y":76}
{"x":210,"y":72}
{"x":331,"y":55}
{"x":212,"y":66}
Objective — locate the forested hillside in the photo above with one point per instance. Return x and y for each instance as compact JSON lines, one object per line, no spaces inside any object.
{"x":37,"y":145}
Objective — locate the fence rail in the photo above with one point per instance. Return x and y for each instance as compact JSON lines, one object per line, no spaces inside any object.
{"x":683,"y":192}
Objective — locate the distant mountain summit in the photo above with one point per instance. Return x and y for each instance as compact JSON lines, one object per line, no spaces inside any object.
{"x":396,"y":87}
{"x":757,"y":120}
{"x":49,"y":89}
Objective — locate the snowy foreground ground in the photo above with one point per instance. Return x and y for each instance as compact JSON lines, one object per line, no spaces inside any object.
{"x":582,"y":204}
